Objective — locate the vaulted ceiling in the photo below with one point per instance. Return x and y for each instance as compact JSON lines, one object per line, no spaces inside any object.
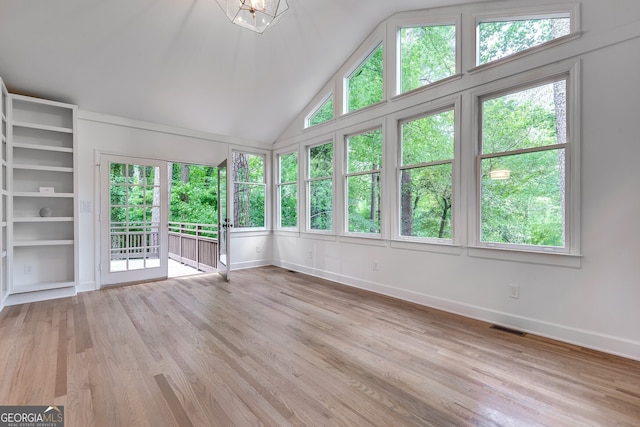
{"x":181,"y":62}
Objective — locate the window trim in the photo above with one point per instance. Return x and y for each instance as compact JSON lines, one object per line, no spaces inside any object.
{"x":570,"y":71}
{"x":278,"y":186}
{"x":307,"y":188}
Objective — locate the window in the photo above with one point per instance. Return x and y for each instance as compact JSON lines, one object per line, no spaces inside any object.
{"x":322,"y":114}
{"x":427,"y":54}
{"x":364,"y":164}
{"x":427,"y":152}
{"x":365,"y":85}
{"x":523,"y":168}
{"x":320,"y":187}
{"x":501,"y":37}
{"x":248,"y":190}
{"x":288,"y":190}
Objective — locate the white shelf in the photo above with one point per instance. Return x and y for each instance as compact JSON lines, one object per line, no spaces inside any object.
{"x":42,"y":147}
{"x":41,"y":153}
{"x":36,"y":194}
{"x":42,"y":127}
{"x":44,"y":219}
{"x":42,"y":168}
{"x":28,"y":243}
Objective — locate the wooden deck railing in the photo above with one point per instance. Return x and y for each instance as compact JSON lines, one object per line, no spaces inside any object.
{"x":195,"y":245}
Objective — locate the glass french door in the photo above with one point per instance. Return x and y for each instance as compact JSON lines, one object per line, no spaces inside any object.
{"x":224,"y":224}
{"x":133,"y":220}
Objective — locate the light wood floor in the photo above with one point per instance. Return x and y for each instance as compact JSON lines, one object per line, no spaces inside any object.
{"x":277,"y":348}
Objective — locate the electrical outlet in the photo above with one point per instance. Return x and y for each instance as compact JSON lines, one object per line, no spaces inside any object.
{"x":514,"y":291}
{"x":28,"y":269}
{"x":375,"y":266}
{"x":258,"y":249}
{"x":310,"y":255}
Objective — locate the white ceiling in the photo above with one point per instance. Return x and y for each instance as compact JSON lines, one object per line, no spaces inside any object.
{"x":181,"y":62}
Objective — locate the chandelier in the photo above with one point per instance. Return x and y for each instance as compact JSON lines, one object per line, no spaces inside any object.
{"x":256,"y":15}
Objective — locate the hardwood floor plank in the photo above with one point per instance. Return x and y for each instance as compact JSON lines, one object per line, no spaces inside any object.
{"x":276,"y":348}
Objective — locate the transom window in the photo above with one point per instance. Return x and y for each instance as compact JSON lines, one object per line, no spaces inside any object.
{"x":288,"y":190}
{"x":364,"y":165}
{"x":427,"y":54}
{"x":322,"y":114}
{"x":320,"y":187}
{"x":500,"y":37}
{"x":365,"y":85}
{"x":523,"y":168}
{"x":426,"y":171}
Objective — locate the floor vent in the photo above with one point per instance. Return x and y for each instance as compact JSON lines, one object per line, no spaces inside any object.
{"x":508,"y":330}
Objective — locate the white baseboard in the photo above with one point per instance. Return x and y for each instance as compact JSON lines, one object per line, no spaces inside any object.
{"x":589,"y":339}
{"x":28,"y":297}
{"x":251,"y":264}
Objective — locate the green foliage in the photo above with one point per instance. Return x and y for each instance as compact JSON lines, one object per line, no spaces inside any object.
{"x":289,"y":205}
{"x":194,"y":194}
{"x":321,"y":161}
{"x":131,"y":194}
{"x":288,"y":167}
{"x":428,"y":54}
{"x":321,"y":187}
{"x":321,"y":204}
{"x":365,"y":85}
{"x":323,"y":114}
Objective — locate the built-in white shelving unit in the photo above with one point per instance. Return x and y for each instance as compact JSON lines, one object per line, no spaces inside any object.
{"x":4,"y":194}
{"x":41,"y":195}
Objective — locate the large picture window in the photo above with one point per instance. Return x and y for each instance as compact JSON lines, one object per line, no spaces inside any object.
{"x":364,"y":165}
{"x":320,"y":187}
{"x":427,"y":54}
{"x":248,"y":190}
{"x":523,"y":168}
{"x":426,"y":171}
{"x":288,"y":190}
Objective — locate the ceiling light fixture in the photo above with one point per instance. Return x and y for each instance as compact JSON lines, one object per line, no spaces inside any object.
{"x":256,"y":15}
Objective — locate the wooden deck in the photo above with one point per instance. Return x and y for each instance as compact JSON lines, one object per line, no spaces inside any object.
{"x":277,"y":348}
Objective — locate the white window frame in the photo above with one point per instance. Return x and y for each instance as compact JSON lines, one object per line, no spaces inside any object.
{"x":569,"y":70}
{"x":346,"y":175}
{"x":263,"y":183}
{"x":570,"y":10}
{"x":317,"y":108}
{"x":451,"y":105}
{"x":420,"y":19}
{"x":307,"y":188}
{"x":278,"y":188}
{"x":373,"y":47}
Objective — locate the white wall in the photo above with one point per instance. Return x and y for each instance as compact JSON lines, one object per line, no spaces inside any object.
{"x":593,"y":300}
{"x":113,"y":135}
